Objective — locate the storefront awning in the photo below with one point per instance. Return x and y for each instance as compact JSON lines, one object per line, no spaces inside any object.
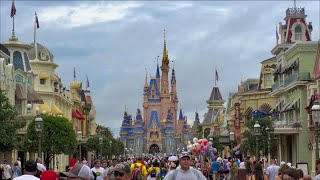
{"x":77,"y":114}
{"x":45,"y":107}
{"x":294,"y":105}
{"x":20,"y":93}
{"x":55,"y":110}
{"x":248,"y":112}
{"x":33,"y":96}
{"x":276,"y":108}
{"x":265,"y":107}
{"x":285,"y":107}
{"x":54,"y":77}
{"x":43,"y":75}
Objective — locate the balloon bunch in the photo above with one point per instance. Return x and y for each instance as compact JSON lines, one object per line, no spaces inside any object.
{"x":202,"y":147}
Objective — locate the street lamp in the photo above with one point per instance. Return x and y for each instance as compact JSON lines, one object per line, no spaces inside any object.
{"x":79,"y":138}
{"x":316,"y":118}
{"x":232,"y":139}
{"x":110,"y":144}
{"x":257,"y":132}
{"x":100,"y":143}
{"x":268,"y":131}
{"x":38,"y":124}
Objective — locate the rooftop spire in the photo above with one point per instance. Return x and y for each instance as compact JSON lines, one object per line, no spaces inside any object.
{"x":165,"y":52}
{"x":146,"y":82}
{"x":158,"y":71}
{"x":181,"y":115}
{"x":173,"y":76}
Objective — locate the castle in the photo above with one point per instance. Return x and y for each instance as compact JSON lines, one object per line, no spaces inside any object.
{"x":158,"y":129}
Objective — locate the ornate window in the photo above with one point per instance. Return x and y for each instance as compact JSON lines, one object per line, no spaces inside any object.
{"x":17,"y":61}
{"x":26,"y":62}
{"x":268,"y":79}
{"x":298,"y":33}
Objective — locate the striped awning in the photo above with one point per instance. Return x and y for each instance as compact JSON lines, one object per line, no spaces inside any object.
{"x":43,"y":75}
{"x":265,"y":107}
{"x":54,"y":77}
{"x":285,"y":107}
{"x":55,"y":110}
{"x":248,"y":112}
{"x":77,"y":114}
{"x":20,"y":93}
{"x":44,"y":107}
{"x":33,"y":96}
{"x":294,"y":105}
{"x":275,"y":108}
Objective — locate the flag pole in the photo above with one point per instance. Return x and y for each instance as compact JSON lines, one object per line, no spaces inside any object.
{"x":13,"y":13}
{"x":34,"y":36}
{"x":215,"y":77}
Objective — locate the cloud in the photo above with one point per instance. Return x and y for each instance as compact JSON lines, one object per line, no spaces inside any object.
{"x":85,"y":14}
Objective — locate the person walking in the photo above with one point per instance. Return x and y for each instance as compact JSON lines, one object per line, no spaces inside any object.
{"x":258,"y":173}
{"x":7,"y":171}
{"x":121,"y":171}
{"x":272,"y":170}
{"x":97,"y":170}
{"x":16,"y":170}
{"x":185,"y":171}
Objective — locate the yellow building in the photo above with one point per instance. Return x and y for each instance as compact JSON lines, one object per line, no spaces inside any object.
{"x":253,"y":94}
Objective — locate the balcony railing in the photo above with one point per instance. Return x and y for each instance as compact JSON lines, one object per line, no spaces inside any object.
{"x":287,"y":124}
{"x":297,"y":77}
{"x":276,"y":85}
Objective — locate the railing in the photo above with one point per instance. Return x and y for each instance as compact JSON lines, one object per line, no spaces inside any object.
{"x":276,"y":85}
{"x":287,"y":124}
{"x":297,"y":77}
{"x":295,"y":11}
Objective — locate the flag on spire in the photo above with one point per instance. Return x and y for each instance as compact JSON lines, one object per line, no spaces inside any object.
{"x":13,"y":9}
{"x":88,"y":84}
{"x":277,"y":35}
{"x":217,"y":77}
{"x":74,"y":73}
{"x":37,"y":22}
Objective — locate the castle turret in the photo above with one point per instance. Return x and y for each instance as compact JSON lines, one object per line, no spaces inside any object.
{"x":145,"y":89}
{"x":165,"y":71}
{"x":139,"y":132}
{"x":169,"y":133}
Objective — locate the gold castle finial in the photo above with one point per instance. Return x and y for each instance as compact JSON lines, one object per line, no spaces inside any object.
{"x":165,"y":55}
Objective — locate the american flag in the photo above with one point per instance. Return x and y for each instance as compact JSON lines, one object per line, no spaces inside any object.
{"x":217,"y":77}
{"x":13,"y":10}
{"x":37,"y":22}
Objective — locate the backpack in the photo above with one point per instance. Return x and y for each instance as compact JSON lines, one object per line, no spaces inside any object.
{"x":137,"y":172}
{"x":153,"y":173}
{"x":220,"y":168}
{"x":163,"y":173}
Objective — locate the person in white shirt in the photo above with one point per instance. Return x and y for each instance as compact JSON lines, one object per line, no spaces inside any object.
{"x":30,"y":170}
{"x":99,"y":171}
{"x":184,"y":171}
{"x":40,"y":166}
{"x":7,"y":171}
{"x":272,"y":170}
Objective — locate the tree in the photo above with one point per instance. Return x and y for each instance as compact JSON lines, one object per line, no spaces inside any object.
{"x":248,"y":139}
{"x":58,"y":137}
{"x":9,"y":124}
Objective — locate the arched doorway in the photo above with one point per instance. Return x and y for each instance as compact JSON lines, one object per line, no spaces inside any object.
{"x":154,"y":148}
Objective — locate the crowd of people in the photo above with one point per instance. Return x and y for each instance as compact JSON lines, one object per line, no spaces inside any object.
{"x":184,"y":167}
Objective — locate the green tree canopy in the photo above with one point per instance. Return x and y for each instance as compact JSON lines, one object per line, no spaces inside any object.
{"x":248,"y":138}
{"x":9,"y":124}
{"x":58,"y":137}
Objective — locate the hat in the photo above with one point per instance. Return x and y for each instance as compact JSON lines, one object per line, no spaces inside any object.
{"x":48,"y":175}
{"x":78,"y":170}
{"x":122,"y":167}
{"x":184,"y":154}
{"x":5,"y":161}
{"x":30,"y":166}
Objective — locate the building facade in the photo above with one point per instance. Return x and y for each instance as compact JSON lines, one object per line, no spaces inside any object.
{"x":157,"y":128}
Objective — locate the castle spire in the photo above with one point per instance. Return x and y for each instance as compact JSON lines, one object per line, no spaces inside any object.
{"x":181,"y":115}
{"x":173,"y":76}
{"x":146,"y":82}
{"x":165,"y":52}
{"x":158,"y":70}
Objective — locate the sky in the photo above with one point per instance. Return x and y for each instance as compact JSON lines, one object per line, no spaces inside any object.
{"x":113,"y":42}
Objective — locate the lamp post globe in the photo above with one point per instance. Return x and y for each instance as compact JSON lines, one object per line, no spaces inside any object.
{"x":257,"y":131}
{"x":37,"y":109}
{"x":315,"y":109}
{"x":44,"y":112}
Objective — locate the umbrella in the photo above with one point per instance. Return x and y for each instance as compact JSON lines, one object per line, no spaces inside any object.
{"x":173,"y":158}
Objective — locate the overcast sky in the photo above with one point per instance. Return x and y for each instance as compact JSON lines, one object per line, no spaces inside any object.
{"x":113,"y":43}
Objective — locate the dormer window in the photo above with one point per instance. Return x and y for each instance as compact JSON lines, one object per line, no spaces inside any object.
{"x":298,"y":33}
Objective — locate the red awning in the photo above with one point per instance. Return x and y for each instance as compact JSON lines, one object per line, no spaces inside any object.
{"x":265,"y":107}
{"x":77,"y":114}
{"x":248,"y":112}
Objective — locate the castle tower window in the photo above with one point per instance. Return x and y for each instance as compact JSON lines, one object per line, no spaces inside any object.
{"x":298,"y":33}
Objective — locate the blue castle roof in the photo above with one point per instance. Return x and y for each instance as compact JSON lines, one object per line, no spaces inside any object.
{"x":158,"y":72}
{"x":181,"y":117}
{"x":153,"y":82}
{"x":154,"y":116}
{"x":138,"y":116}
